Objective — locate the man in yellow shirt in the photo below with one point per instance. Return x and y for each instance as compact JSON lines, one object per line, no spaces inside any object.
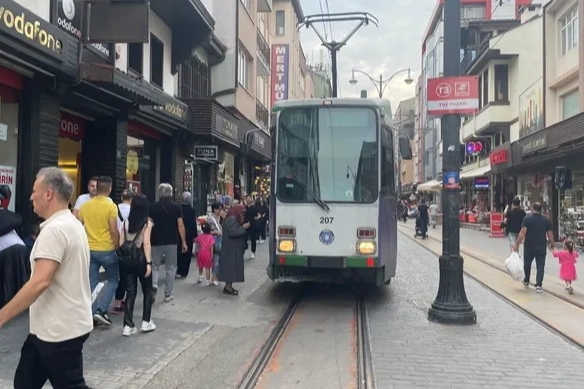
{"x":99,"y":217}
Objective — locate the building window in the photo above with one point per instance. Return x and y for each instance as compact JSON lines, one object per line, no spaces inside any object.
{"x":569,"y":31}
{"x":156,"y":61}
{"x":280,"y":22}
{"x":570,"y":104}
{"x":501,"y":83}
{"x":10,"y":107}
{"x":136,"y":58}
{"x":471,"y":12}
{"x":194,"y":80}
{"x":243,"y":68}
{"x":246,"y":4}
{"x":485,"y":88}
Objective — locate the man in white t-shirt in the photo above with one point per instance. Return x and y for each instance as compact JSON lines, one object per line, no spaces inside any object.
{"x":58,"y":292}
{"x":91,"y":193}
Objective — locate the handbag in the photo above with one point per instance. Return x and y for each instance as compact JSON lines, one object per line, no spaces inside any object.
{"x":128,"y":254}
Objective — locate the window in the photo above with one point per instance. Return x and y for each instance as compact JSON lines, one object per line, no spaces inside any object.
{"x":485,"y":88}
{"x":472,"y":12}
{"x":156,"y":61}
{"x":246,"y":4}
{"x":194,"y":80}
{"x":280,"y":22}
{"x":568,"y":31}
{"x":387,"y":162}
{"x":328,"y":154}
{"x":243,"y":68}
{"x":570,"y":104}
{"x":136,"y":58}
{"x":501,"y":83}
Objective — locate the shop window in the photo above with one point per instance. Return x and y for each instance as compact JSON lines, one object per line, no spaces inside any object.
{"x":9,"y":114}
{"x":280,"y":23}
{"x":570,"y":104}
{"x":501,"y":83}
{"x":141,"y":166}
{"x":136,"y":58}
{"x":156,"y":61}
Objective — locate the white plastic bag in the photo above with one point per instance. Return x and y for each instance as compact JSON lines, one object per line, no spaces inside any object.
{"x":514,"y":265}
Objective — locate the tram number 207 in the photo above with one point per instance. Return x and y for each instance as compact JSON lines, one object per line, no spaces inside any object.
{"x":326,"y":220}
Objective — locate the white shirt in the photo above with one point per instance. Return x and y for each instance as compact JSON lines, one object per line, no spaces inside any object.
{"x":83,"y":199}
{"x":125,"y":211}
{"x":63,"y":311}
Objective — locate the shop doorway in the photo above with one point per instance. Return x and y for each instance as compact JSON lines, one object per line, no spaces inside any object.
{"x":71,"y":134}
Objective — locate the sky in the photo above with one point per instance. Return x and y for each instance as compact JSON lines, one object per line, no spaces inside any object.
{"x":396,"y":44}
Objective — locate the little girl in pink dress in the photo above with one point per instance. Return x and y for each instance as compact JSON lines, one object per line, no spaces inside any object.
{"x":567,"y":259}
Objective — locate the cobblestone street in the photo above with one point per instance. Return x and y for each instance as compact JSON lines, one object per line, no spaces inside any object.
{"x":506,"y":349}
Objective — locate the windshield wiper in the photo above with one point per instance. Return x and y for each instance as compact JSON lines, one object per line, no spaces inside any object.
{"x":316,"y":198}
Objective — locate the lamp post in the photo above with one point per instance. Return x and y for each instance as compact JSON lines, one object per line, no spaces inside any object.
{"x":381,"y":84}
{"x":451,"y":305}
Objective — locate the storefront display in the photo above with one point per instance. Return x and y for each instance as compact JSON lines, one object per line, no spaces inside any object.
{"x":571,"y":223}
{"x":225,"y":174}
{"x":141,"y":165}
{"x":9,"y":115}
{"x":535,"y":187}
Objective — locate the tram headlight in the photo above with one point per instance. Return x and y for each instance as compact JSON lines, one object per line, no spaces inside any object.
{"x":287,"y":245}
{"x":366,"y":247}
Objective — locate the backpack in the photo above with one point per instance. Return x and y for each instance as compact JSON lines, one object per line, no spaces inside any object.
{"x":128,"y":254}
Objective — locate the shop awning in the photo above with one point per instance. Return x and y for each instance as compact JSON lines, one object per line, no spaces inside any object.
{"x":430,"y":186}
{"x":478,"y":172}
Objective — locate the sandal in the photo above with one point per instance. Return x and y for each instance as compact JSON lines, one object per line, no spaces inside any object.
{"x":231,"y":291}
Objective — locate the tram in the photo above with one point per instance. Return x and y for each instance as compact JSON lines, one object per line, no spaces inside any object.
{"x":333,"y":191}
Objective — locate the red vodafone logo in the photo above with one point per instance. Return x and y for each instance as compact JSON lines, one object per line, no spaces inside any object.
{"x":71,"y":127}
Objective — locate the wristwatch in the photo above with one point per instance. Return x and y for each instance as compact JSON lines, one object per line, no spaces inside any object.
{"x":148,"y":263}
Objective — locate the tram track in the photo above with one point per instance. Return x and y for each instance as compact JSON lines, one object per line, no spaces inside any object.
{"x":365,"y":378}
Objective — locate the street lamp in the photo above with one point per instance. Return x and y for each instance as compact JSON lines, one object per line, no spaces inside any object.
{"x":381,"y":84}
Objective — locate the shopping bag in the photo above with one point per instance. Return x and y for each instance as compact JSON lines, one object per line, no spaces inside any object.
{"x":514,"y":265}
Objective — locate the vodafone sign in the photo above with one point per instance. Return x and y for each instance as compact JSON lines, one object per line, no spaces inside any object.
{"x":453,"y":95}
{"x":72,"y":127}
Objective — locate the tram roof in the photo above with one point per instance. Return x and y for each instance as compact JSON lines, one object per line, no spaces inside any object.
{"x":339,"y":100}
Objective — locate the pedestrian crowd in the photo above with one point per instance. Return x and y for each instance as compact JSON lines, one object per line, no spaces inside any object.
{"x":130,"y":242}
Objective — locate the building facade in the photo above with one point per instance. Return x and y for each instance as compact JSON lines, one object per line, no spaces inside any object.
{"x":432,"y":67}
{"x":321,"y":80}
{"x":404,"y":121}
{"x":92,"y":110}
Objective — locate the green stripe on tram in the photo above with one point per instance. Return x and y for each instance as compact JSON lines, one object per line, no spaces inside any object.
{"x":359,"y":261}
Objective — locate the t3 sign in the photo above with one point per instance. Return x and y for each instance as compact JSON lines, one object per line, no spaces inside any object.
{"x":453,"y":95}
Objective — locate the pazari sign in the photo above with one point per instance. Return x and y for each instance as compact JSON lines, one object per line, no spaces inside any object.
{"x":27,"y":27}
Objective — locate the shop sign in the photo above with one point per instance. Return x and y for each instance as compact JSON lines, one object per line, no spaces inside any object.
{"x":8,"y":178}
{"x":173,"y":110}
{"x":24,"y":25}
{"x":134,"y":186}
{"x":280,"y":69}
{"x":496,"y":231}
{"x":224,"y":126}
{"x":498,"y":157}
{"x":69,"y":18}
{"x":258,"y":140}
{"x":210,"y":153}
{"x":534,"y":144}
{"x":72,"y":127}
{"x":453,"y":95}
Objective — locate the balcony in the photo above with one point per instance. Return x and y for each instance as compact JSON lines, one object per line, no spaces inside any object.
{"x":263,"y":57}
{"x":493,"y":115}
{"x":264,"y":5}
{"x":262,"y":114}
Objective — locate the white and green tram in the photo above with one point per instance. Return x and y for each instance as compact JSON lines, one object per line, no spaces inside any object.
{"x":333,"y":191}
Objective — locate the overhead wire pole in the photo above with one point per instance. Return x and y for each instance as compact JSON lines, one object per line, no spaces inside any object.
{"x":364,"y":18}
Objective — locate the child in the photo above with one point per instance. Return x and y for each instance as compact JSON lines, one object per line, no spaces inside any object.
{"x":204,"y":246}
{"x":567,"y":259}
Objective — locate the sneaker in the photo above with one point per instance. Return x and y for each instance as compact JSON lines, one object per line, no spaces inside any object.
{"x":216,"y":283}
{"x":252,"y":255}
{"x":538,"y":289}
{"x":200,"y":280}
{"x":147,"y":326}
{"x":209,"y":283}
{"x":102,"y":317}
{"x":570,"y":290}
{"x":526,"y":284}
{"x":168,"y":299}
{"x":129,"y":331}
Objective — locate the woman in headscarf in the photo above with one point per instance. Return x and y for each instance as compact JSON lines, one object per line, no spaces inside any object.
{"x":231,"y":268}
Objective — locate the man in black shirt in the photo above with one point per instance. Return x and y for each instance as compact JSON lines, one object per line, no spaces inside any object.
{"x":167,"y":218}
{"x":513,"y":220}
{"x":252,"y":215}
{"x":534,"y":230}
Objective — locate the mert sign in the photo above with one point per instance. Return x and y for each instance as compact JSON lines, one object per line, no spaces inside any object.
{"x":453,"y":95}
{"x":280,"y":69}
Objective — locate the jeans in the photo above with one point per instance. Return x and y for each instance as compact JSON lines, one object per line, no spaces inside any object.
{"x":529,"y":254}
{"x":169,"y":253}
{"x":61,"y":363}
{"x":133,"y":274}
{"x":109,"y":261}
{"x":216,"y":264}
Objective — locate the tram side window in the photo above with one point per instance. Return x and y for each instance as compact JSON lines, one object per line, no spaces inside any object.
{"x":387,"y":163}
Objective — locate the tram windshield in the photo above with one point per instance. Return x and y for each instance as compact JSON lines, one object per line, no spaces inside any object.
{"x":327,"y":154}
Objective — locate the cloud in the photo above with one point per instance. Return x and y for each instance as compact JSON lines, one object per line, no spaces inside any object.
{"x":395,"y":45}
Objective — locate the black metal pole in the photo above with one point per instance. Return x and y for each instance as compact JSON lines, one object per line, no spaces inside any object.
{"x":334,"y":68}
{"x":451,"y":305}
